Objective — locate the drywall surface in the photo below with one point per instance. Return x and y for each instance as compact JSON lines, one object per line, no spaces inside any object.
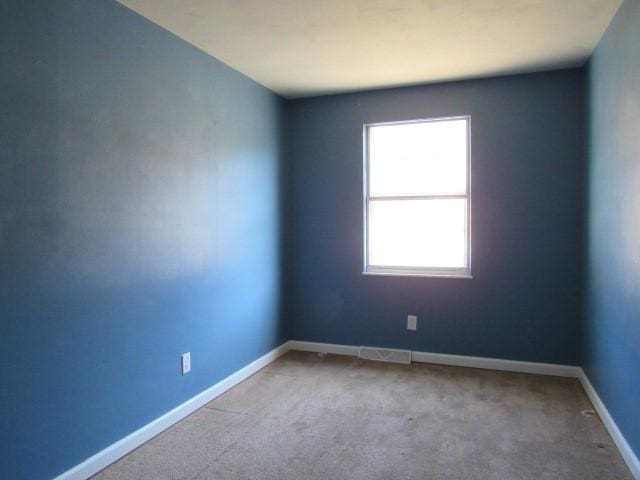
{"x":523,"y":302}
{"x":612,"y":300}
{"x":139,"y":219}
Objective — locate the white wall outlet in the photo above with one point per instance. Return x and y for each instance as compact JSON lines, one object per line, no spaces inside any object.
{"x":186,"y":362}
{"x":412,"y":322}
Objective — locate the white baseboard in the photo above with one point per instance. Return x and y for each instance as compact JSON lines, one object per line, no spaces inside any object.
{"x":348,"y":350}
{"x":106,"y":457}
{"x":455,"y":360}
{"x":623,"y":446}
{"x":497,"y":364}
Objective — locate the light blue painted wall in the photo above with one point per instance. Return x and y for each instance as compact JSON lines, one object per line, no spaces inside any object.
{"x":139,"y":219}
{"x":611,"y":347}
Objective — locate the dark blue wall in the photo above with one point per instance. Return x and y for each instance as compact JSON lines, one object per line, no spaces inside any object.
{"x":612,"y":300}
{"x":139,"y":219}
{"x":524,"y":300}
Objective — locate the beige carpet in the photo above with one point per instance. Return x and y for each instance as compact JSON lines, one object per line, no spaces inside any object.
{"x":308,"y":416}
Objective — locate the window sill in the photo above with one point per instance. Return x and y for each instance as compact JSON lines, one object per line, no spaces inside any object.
{"x":425,"y":275}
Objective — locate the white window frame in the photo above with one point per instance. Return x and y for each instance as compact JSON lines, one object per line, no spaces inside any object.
{"x":464,"y":272}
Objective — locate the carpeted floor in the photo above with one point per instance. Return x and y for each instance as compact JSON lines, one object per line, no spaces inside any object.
{"x":308,"y":416}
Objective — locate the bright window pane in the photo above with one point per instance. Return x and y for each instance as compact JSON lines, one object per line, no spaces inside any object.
{"x":423,"y":158}
{"x":418,"y":233}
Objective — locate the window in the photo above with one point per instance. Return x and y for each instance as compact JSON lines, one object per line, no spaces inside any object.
{"x":416,"y":198}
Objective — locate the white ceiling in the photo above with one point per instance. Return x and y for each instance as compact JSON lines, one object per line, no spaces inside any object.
{"x":312,"y":47}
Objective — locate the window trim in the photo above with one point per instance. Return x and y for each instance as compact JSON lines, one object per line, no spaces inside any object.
{"x":388,"y":270}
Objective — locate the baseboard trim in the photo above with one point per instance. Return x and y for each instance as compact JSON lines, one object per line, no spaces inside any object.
{"x":623,"y":446}
{"x":497,"y":364}
{"x":454,"y":360}
{"x":117,"y":450}
{"x":348,"y":350}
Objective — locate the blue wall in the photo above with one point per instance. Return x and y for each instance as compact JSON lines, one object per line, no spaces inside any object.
{"x":612,"y":300}
{"x":524,"y":300}
{"x":139,"y":219}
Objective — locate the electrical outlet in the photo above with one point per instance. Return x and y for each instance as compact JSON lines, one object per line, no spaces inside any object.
{"x":412,"y":322}
{"x":186,"y":362}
